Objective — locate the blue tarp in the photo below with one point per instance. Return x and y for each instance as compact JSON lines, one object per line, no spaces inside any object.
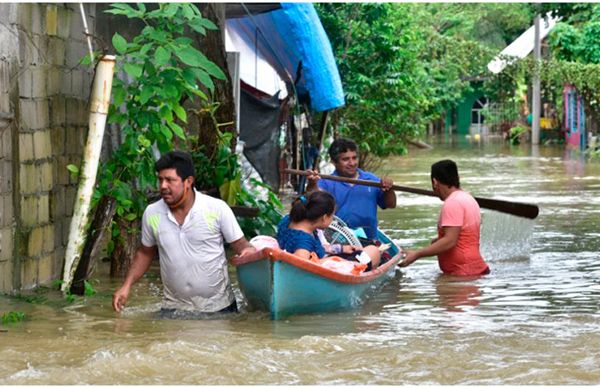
{"x":290,"y":36}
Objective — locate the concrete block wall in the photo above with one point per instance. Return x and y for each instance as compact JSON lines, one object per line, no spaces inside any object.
{"x":44,"y":44}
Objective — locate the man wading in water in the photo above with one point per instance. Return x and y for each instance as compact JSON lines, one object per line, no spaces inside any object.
{"x":457,"y":244}
{"x":187,"y":230}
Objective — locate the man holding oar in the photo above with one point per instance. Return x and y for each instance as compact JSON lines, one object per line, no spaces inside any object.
{"x":355,"y":204}
{"x":457,"y":244}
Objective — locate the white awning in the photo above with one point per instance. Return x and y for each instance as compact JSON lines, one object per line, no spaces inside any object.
{"x":523,"y":45}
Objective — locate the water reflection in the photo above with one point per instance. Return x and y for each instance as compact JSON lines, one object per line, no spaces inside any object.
{"x":457,"y":293}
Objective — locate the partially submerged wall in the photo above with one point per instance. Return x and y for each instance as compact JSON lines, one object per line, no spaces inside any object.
{"x":43,"y":125}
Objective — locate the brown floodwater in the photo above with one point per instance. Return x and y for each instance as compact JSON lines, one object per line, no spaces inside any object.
{"x":534,"y":320}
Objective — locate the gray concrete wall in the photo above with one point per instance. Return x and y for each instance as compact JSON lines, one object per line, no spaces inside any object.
{"x":45,"y":91}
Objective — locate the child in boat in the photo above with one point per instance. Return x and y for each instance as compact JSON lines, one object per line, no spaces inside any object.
{"x":297,"y":232}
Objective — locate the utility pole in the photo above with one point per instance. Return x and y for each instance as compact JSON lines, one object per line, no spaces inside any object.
{"x":536,"y":89}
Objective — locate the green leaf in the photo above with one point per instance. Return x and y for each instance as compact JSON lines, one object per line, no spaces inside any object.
{"x":188,"y":12}
{"x":204,"y":78}
{"x":119,"y":43}
{"x":209,"y":25}
{"x":130,"y":216}
{"x":73,"y":168}
{"x":190,"y":56}
{"x":162,"y":56}
{"x":146,"y":93}
{"x":165,"y":113}
{"x":133,"y":69}
{"x":166,"y":132}
{"x":119,"y":96}
{"x":145,"y":48}
{"x":180,"y":112}
{"x":177,"y":130}
{"x":214,"y":70}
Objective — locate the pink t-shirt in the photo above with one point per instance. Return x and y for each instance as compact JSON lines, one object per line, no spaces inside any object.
{"x":461,"y":209}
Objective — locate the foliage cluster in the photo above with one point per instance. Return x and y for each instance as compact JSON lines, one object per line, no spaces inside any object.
{"x":157,"y":71}
{"x":12,"y":317}
{"x":403,"y":65}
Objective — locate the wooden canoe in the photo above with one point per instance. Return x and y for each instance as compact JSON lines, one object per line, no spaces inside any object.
{"x":284,"y":284}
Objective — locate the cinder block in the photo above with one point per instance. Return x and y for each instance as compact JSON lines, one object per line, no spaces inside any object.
{"x":37,"y":21}
{"x":29,"y":210}
{"x":8,"y":211}
{"x":26,"y":147}
{"x":24,"y":16}
{"x":56,"y":49}
{"x":70,"y":195}
{"x":58,"y":235}
{"x":64,"y":22}
{"x":44,"y":208}
{"x":57,"y":138}
{"x":51,"y":19}
{"x":52,"y":82}
{"x":60,"y":170}
{"x":35,"y":242}
{"x":29,"y":273}
{"x":58,"y":262}
{"x":29,"y":179}
{"x":6,"y":139}
{"x":66,"y":223}
{"x":47,"y":176}
{"x":5,"y":219}
{"x":65,"y":83}
{"x":57,"y":109}
{"x":42,"y":144}
{"x":57,"y":202}
{"x":3,"y":198}
{"x":77,"y":32}
{"x":7,"y":171}
{"x":74,"y":51}
{"x":42,"y":107}
{"x":77,"y":83}
{"x":26,"y":82}
{"x":6,"y":244}
{"x":48,"y":239}
{"x":46,"y":266}
{"x":71,"y":110}
{"x":27,"y":112}
{"x":39,"y":81}
{"x":40,"y":50}
{"x":74,"y":141}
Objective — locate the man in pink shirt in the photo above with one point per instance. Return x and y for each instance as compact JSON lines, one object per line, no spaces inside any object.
{"x":457,"y":244}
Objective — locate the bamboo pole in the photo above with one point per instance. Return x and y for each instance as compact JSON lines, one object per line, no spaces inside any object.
{"x":100,"y":101}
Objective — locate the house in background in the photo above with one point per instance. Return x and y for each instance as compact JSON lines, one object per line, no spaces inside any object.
{"x":469,"y":115}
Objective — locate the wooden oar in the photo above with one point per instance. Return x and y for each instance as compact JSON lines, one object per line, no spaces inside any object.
{"x":515,"y":208}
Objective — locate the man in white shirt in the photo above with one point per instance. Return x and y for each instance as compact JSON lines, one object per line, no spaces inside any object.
{"x":187,"y":230}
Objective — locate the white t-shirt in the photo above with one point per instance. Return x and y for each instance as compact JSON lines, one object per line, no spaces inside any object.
{"x":193,"y":266}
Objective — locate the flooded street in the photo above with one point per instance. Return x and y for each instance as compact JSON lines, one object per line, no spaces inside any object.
{"x":534,"y":320}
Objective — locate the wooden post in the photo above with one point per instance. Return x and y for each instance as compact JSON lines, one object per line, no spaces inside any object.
{"x":536,"y":98}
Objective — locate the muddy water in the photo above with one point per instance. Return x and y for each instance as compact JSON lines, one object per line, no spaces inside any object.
{"x":534,"y":320}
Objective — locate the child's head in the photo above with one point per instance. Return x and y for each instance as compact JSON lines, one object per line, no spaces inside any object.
{"x":312,"y":206}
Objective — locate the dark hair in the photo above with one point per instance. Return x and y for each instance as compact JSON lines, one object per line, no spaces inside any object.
{"x":446,"y":171}
{"x":341,"y":145}
{"x":180,"y":161}
{"x":311,"y":206}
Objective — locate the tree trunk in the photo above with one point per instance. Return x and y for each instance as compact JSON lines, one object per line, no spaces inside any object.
{"x":103,"y":216}
{"x":125,"y":247}
{"x":213,"y":45}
